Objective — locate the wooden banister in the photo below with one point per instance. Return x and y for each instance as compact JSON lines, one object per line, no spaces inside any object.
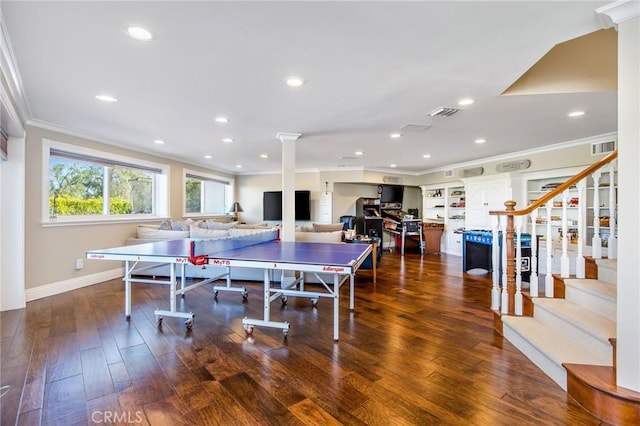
{"x":559,"y":190}
{"x":508,"y":301}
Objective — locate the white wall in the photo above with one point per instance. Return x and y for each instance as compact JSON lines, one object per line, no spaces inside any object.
{"x":12,"y":248}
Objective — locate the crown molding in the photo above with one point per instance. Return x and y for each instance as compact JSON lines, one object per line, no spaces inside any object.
{"x":519,"y":154}
{"x":12,"y":95}
{"x":614,"y":13}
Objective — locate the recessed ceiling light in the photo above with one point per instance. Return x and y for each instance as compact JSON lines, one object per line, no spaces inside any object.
{"x":465,"y":101}
{"x":426,"y":156}
{"x":359,"y":153}
{"x":264,"y":156}
{"x":576,"y":113}
{"x":139,"y":33}
{"x":106,"y":98}
{"x":294,"y":81}
{"x":159,"y":142}
{"x":227,"y":140}
{"x":395,"y":135}
{"x":238,"y":166}
{"x":480,"y":140}
{"x":222,"y":119}
{"x":392,"y":165}
{"x":208,"y":156}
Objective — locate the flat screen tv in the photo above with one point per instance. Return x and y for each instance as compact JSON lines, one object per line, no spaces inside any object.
{"x":392,"y":194}
{"x":272,"y":205}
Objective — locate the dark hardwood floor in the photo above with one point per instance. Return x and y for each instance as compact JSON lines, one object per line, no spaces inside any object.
{"x":419,"y":349}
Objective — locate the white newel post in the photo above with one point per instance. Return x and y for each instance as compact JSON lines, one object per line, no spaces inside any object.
{"x":582,"y":229}
{"x":613,"y":231}
{"x":548,"y":279}
{"x":518,"y":295}
{"x":533,"y":278}
{"x":564,"y":260}
{"x":495,"y":270}
{"x":596,"y":241}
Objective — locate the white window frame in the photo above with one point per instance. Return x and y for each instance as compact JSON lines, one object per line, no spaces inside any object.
{"x":207,"y":176}
{"x":160,"y":195}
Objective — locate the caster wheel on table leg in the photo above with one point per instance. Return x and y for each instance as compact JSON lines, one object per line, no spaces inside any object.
{"x":245,"y":296}
{"x":159,"y":321}
{"x":248,"y":329}
{"x":314,"y":303}
{"x":215,"y":294}
{"x":284,"y":300}
{"x":128,"y":318}
{"x":188,"y":324}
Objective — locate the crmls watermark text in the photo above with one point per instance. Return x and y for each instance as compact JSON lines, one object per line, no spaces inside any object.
{"x":99,"y":417}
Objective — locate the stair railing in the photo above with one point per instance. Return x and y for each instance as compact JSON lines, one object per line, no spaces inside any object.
{"x":506,"y":292}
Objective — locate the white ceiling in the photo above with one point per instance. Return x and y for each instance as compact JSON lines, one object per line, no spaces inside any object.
{"x":370,"y":69}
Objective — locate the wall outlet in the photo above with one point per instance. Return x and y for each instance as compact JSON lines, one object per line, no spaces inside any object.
{"x":79,"y":263}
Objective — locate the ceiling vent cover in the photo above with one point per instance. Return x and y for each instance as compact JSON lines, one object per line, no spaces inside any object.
{"x":448,"y":173}
{"x":443,"y":112}
{"x":598,"y":148}
{"x":414,"y":127}
{"x":476,"y":171}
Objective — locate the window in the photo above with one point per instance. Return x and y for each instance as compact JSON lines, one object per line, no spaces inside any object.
{"x":83,"y":184}
{"x":206,"y":194}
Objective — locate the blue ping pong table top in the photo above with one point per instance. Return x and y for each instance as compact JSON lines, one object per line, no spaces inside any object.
{"x":271,"y":251}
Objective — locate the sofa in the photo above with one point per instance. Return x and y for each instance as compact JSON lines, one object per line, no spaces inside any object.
{"x":210,"y":229}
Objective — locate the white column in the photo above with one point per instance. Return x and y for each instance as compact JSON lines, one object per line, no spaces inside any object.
{"x":548,"y":279}
{"x":626,"y":14}
{"x":288,"y":231}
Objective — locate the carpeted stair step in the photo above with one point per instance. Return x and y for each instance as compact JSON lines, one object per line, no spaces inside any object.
{"x":579,"y":325}
{"x":595,"y":295}
{"x":546,"y":348}
{"x":608,"y":270}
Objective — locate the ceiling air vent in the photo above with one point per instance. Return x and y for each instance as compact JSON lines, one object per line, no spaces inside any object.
{"x":443,"y":112}
{"x":414,"y":127}
{"x":598,"y":148}
{"x":448,"y":173}
{"x":476,"y":171}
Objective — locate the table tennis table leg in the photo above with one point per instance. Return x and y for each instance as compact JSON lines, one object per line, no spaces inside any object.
{"x":172,"y":312}
{"x":250,"y":323}
{"x":127,"y":290}
{"x":172,"y":286}
{"x":336,"y":306}
{"x":182,"y":278}
{"x":351,"y":291}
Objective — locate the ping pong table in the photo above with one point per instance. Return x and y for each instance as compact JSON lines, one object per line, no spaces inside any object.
{"x":265,"y":251}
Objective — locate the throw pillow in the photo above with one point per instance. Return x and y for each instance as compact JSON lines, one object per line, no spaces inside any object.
{"x":147,"y":233}
{"x":319,"y":237}
{"x":211,"y":234}
{"x":182,"y":225}
{"x":219,"y":225}
{"x":327,"y":227}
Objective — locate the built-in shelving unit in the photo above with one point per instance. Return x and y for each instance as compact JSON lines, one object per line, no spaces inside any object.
{"x":446,"y":204}
{"x":604,"y":188}
{"x":536,"y":188}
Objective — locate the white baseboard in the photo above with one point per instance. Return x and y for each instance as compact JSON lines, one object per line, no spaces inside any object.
{"x":72,"y":284}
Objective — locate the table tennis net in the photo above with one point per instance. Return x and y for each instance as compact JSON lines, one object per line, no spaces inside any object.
{"x":200,"y":250}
